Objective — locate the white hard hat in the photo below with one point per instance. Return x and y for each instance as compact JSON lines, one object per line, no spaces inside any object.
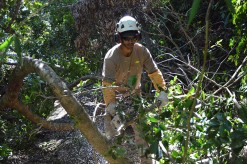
{"x":127,"y":23}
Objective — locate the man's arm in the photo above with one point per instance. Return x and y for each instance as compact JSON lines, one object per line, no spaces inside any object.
{"x":158,"y":80}
{"x":153,"y":71}
{"x":108,"y":73}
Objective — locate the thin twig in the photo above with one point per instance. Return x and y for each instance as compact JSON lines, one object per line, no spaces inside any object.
{"x":232,"y":77}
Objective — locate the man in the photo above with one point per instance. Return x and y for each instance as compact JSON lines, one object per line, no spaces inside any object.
{"x":122,"y":62}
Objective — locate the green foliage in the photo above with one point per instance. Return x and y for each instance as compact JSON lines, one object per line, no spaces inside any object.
{"x":49,"y":37}
{"x":230,"y":6}
{"x":37,"y":96}
{"x":70,"y":68}
{"x":45,"y":30}
{"x":240,"y":39}
{"x":194,"y":10}
{"x":4,"y":47}
{"x":216,"y":123}
{"x":215,"y":128}
{"x":132,"y":81}
{"x":5,"y":151}
{"x":117,"y":152}
{"x":15,"y":133}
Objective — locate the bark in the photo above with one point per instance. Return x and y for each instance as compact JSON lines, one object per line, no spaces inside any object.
{"x":94,"y":17}
{"x":67,"y":100}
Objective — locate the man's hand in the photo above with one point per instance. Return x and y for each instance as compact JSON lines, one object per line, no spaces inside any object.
{"x":118,"y":123}
{"x":111,"y":109}
{"x":163,"y":98}
{"x":110,"y":128}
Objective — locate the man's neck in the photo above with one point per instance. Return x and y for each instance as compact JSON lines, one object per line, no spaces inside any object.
{"x":125,"y":51}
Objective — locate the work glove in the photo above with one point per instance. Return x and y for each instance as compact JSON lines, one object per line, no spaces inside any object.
{"x":158,"y":80}
{"x":108,"y":92}
{"x":162,"y":99}
{"x":110,"y":128}
{"x":118,"y":122}
{"x":111,"y":109}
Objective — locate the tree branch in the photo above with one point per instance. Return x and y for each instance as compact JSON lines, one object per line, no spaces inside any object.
{"x":92,"y":77}
{"x":233,"y":76}
{"x":65,"y":97}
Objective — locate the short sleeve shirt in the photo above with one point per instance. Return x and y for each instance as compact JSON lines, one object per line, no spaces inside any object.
{"x":119,"y":68}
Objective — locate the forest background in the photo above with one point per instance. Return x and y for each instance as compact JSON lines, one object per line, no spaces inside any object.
{"x":51,"y":50}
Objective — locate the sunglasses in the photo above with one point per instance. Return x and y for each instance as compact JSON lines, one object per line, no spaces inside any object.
{"x":133,"y":39}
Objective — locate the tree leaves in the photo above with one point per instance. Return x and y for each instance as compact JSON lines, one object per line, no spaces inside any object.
{"x":243,"y":115}
{"x":230,"y":6}
{"x":196,"y":5}
{"x":18,"y":48}
{"x":194,"y":10}
{"x":132,"y":81}
{"x":12,"y":40}
{"x":5,"y":46}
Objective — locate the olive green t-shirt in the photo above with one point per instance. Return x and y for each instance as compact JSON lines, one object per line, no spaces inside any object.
{"x":121,"y":69}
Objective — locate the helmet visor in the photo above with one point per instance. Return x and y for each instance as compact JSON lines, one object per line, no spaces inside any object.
{"x":129,"y":34}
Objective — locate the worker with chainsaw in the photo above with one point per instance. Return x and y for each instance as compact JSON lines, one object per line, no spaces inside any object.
{"x":126,"y":60}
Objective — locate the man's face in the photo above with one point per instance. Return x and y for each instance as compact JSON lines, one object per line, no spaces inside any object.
{"x":129,"y":41}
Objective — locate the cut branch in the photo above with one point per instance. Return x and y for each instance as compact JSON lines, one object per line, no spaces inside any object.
{"x":65,"y":97}
{"x":24,"y":110}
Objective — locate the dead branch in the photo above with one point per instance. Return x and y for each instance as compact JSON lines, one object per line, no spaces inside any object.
{"x":231,"y":80}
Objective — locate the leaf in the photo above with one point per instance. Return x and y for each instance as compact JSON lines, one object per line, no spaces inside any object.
{"x":191,"y":92}
{"x":4,"y":47}
{"x":120,"y":152}
{"x":18,"y":48}
{"x":237,"y":144}
{"x":132,"y":80}
{"x":188,"y":103}
{"x":214,"y":123}
{"x":154,"y":147}
{"x":194,"y":10}
{"x":243,"y":114}
{"x":172,"y":82}
{"x":166,"y":114}
{"x":6,"y":44}
{"x":178,"y":89}
{"x":230,"y":6}
{"x":203,"y":95}
{"x":220,"y":117}
{"x":152,"y":119}
{"x":175,"y":154}
{"x":200,"y":128}
{"x":162,"y":127}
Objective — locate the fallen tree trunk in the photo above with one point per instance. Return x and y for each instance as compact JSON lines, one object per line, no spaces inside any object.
{"x":65,"y":97}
